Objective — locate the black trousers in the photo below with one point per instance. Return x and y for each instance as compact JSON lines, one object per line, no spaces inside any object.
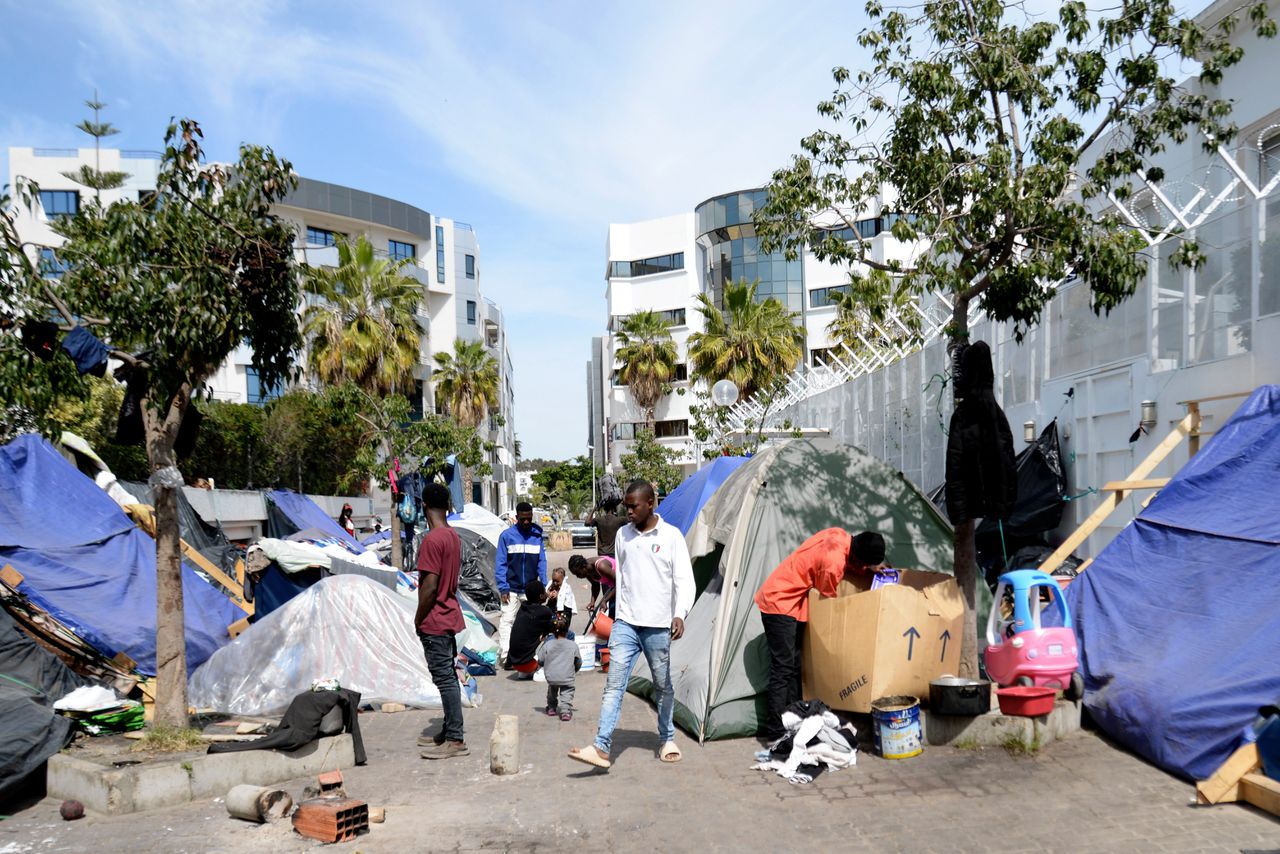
{"x":784,"y":636}
{"x":440,"y":652}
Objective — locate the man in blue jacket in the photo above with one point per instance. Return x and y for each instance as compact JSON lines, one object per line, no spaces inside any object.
{"x":521,"y":559}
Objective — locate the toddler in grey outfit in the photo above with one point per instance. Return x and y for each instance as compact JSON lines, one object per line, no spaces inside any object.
{"x":560,"y":661}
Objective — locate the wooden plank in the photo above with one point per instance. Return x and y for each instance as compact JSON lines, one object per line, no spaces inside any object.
{"x":236,"y":628}
{"x":1261,"y":791}
{"x":1126,"y":485}
{"x":11,"y":576}
{"x":1224,"y":786}
{"x":1233,"y":394}
{"x":1112,"y":500}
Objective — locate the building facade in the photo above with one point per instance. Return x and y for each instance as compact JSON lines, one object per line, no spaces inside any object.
{"x":443,"y":256}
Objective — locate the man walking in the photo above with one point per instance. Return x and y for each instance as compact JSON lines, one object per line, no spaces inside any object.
{"x":655,"y":593}
{"x":521,"y":558}
{"x":819,"y":563}
{"x":439,"y":619}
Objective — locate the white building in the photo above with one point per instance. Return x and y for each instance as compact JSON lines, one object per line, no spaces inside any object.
{"x":444,"y":256}
{"x":662,"y":265}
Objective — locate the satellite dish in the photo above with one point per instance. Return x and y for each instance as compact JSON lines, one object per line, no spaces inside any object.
{"x":724,"y":393}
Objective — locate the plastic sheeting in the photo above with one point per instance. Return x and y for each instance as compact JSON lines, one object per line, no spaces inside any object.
{"x":345,"y":627}
{"x":300,"y":513}
{"x":207,"y":539}
{"x":476,"y":518}
{"x":1178,"y":618}
{"x":85,"y":562}
{"x":681,"y":507}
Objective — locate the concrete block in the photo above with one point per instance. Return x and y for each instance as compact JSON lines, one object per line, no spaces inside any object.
{"x":119,"y":791}
{"x":504,"y":745}
{"x":996,"y":730}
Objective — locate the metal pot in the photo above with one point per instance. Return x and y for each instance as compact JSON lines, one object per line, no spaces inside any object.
{"x":952,"y":695}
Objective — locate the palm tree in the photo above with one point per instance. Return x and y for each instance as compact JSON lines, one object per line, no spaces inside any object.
{"x":363,"y":329}
{"x":750,"y":342}
{"x":648,"y":357}
{"x":852,"y":325}
{"x":466,"y":382}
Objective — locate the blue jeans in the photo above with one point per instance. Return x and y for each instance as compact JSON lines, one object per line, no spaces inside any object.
{"x":626,"y":642}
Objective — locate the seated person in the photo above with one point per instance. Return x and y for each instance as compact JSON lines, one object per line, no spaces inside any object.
{"x":532,"y":624}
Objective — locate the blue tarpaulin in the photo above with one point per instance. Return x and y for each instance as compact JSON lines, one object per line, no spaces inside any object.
{"x":85,"y":562}
{"x":1178,"y":618}
{"x":305,"y":513}
{"x":681,"y":507}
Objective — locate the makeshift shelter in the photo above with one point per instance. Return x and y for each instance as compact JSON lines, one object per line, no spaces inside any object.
{"x":1178,"y":618}
{"x":345,"y":627}
{"x":31,"y":680}
{"x":476,"y":518}
{"x":209,"y":540}
{"x":289,"y":512}
{"x":83,"y":560}
{"x":760,"y":514}
{"x":682,"y":504}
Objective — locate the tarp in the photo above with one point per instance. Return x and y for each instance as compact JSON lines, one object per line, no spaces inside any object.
{"x":759,"y":515}
{"x":681,"y":506}
{"x":476,"y":518}
{"x":478,"y":560}
{"x":302,"y":513}
{"x":1179,"y":617}
{"x":86,"y":563}
{"x":207,"y":539}
{"x":345,"y":627}
{"x":31,"y":680}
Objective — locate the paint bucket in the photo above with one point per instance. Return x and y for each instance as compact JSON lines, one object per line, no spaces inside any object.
{"x":587,"y":649}
{"x":896,"y":727}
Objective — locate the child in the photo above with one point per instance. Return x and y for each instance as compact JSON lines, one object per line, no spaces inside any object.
{"x":532,"y":623}
{"x":560,"y":596}
{"x":560,"y":661}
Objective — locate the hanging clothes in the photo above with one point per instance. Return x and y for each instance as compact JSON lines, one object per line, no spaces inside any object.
{"x":41,"y":338}
{"x":982,"y":478}
{"x":89,"y":354}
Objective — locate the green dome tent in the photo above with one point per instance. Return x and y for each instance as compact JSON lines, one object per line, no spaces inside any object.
{"x":759,"y":515}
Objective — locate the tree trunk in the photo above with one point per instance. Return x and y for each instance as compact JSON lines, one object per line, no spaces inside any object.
{"x":171,"y":640}
{"x":964,"y":548}
{"x":466,"y":486}
{"x":397,"y":549}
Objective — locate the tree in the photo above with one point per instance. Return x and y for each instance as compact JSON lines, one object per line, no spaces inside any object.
{"x":752,"y":342}
{"x":995,"y":136}
{"x":575,"y":474}
{"x":648,"y":460}
{"x":648,"y":357}
{"x":365,"y":328}
{"x":92,"y":176}
{"x":467,"y":382}
{"x":173,"y":286}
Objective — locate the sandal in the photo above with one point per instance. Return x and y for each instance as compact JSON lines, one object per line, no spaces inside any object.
{"x":566,"y":716}
{"x":590,"y":755}
{"x":670,"y":753}
{"x":551,"y":712}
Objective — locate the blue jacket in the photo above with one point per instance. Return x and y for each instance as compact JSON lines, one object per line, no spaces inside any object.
{"x":521,"y":559}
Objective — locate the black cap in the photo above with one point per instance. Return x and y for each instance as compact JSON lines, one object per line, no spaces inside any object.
{"x":868,"y":547}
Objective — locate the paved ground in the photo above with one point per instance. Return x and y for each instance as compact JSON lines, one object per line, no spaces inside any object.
{"x":1080,"y":794}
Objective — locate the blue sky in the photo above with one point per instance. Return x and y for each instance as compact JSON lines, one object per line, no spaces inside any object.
{"x":538,"y":123}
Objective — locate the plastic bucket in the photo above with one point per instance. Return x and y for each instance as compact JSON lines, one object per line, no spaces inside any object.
{"x":587,"y":649}
{"x":895,"y":727}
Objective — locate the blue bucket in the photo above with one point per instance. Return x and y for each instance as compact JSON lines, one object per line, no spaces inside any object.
{"x":895,"y":727}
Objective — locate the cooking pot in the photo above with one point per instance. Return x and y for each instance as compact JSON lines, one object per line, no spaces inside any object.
{"x":953,"y":695}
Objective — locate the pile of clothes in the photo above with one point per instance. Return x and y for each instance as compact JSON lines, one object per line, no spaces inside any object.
{"x":815,"y":741}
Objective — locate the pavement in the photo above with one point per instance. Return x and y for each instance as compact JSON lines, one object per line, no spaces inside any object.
{"x":1079,"y":794}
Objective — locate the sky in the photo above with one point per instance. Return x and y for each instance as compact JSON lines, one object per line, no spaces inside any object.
{"x":539,"y":123}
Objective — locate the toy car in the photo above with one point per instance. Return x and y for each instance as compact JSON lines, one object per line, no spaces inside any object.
{"x":1020,"y":651}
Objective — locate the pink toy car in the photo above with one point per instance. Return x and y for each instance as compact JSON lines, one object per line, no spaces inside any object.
{"x":1019,"y":651}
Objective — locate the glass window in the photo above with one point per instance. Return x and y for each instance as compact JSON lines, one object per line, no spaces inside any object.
{"x":60,"y":202}
{"x":670,"y":429}
{"x":321,"y":236}
{"x":819,"y":297}
{"x":471,"y":266}
{"x":471,"y":310}
{"x":415,"y":403}
{"x":440,"y":254}
{"x":50,"y":266}
{"x":256,"y":392}
{"x":647,"y":266}
{"x":682,"y":373}
{"x":1270,"y":159}
{"x":401,"y":251}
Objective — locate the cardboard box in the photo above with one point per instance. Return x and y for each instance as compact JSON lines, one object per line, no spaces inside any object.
{"x":867,"y":644}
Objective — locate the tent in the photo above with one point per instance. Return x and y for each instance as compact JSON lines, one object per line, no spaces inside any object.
{"x":681,"y":506}
{"x":345,"y":627}
{"x":476,"y":518}
{"x":1178,"y":618}
{"x":760,"y":514}
{"x":85,"y":562}
{"x":288,"y":512}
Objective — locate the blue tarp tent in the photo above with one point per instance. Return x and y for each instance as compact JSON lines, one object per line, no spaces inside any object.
{"x":681,"y":507}
{"x":1179,"y":617}
{"x":85,"y":562}
{"x":304,"y":513}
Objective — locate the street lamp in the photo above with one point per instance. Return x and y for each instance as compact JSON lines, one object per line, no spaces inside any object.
{"x":723,"y":393}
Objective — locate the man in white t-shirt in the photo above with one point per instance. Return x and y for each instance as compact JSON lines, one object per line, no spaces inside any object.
{"x":655,"y":593}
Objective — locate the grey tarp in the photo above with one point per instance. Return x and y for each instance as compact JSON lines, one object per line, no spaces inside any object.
{"x":760,"y":514}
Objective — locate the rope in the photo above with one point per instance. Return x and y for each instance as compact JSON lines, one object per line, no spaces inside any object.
{"x":1004,"y":552}
{"x":1088,"y":491}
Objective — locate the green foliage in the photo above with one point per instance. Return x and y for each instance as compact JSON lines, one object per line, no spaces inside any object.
{"x":467,"y":382}
{"x":752,"y":342}
{"x":364,"y":329}
{"x":999,"y":134}
{"x":231,"y":447}
{"x":576,"y":474}
{"x":651,"y":461}
{"x":313,"y":439}
{"x":648,"y":357}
